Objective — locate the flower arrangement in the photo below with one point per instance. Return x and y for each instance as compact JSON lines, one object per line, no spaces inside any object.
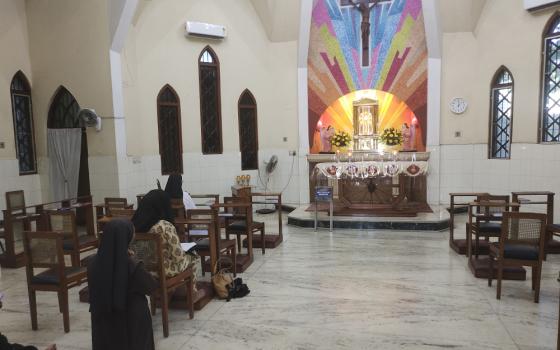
{"x":341,"y":139}
{"x":391,"y":137}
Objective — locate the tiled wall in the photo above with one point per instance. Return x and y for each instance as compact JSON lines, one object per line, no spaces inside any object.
{"x":211,"y":174}
{"x":532,"y":167}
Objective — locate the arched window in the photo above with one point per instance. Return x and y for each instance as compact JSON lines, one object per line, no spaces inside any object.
{"x":23,"y":124}
{"x":63,"y":112}
{"x":169,"y":131}
{"x":210,"y":107}
{"x":550,"y":113}
{"x":501,"y":114}
{"x":248,"y":131}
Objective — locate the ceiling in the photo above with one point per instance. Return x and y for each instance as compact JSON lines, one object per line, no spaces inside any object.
{"x":279,"y":18}
{"x":460,"y":15}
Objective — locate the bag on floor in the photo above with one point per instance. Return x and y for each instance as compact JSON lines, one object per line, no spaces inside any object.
{"x":222,"y":281}
{"x":238,"y":289}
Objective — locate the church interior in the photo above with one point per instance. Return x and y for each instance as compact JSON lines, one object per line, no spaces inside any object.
{"x":279,"y":174}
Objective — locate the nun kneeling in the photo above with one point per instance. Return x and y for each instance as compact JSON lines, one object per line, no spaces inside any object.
{"x":118,"y":285}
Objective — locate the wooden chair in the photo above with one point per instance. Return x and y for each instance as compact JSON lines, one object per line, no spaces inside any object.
{"x":148,"y":248}
{"x":200,"y":225}
{"x":44,"y":250}
{"x":2,"y":237}
{"x":74,"y":244}
{"x":237,"y":224}
{"x":521,"y":243}
{"x":116,"y":203}
{"x":15,"y":202}
{"x":488,"y":219}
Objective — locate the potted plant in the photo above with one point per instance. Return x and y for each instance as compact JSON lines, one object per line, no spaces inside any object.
{"x":341,"y":140}
{"x":392,"y":139}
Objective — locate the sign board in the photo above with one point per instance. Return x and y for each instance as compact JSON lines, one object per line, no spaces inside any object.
{"x":323,"y":193}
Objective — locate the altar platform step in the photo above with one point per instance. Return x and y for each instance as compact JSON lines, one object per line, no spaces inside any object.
{"x":438,"y":220}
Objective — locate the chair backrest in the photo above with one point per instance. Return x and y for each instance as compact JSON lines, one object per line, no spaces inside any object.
{"x":122,"y":213}
{"x":178,"y":208}
{"x":114,"y":203}
{"x":43,"y":250}
{"x":147,"y":247}
{"x":523,"y":228}
{"x":499,"y":204}
{"x":64,"y":221}
{"x":15,"y":201}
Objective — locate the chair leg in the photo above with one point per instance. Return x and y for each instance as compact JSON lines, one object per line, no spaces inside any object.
{"x":190,"y":297}
{"x":153,"y":305}
{"x":2,"y":247}
{"x":476,"y":246}
{"x":164,"y":313}
{"x":538,"y":281}
{"x":263,"y":240}
{"x":500,"y":273}
{"x":33,"y":308}
{"x":63,"y":299}
{"x":490,"y":270}
{"x":234,"y":258}
{"x":238,"y":242}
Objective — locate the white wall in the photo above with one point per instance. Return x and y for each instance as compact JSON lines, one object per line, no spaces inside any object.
{"x":14,"y":41}
{"x":507,"y":35}
{"x":157,"y":52}
{"x":69,"y":43}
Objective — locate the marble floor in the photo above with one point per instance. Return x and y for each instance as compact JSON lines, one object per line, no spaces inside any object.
{"x":340,"y":290}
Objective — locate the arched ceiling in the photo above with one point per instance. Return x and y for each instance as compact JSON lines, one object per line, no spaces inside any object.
{"x":279,"y":18}
{"x":460,"y":15}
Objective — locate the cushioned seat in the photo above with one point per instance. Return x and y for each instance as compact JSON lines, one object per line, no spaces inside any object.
{"x":518,"y":251}
{"x":68,"y":244}
{"x":239,"y":225}
{"x":50,"y":276}
{"x":490,"y":227}
{"x":554,"y":227}
{"x":202,"y":244}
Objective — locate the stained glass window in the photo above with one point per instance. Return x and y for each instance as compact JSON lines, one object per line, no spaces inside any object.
{"x":248,"y":131}
{"x":210,"y":109}
{"x":169,"y":129}
{"x":501,"y":114}
{"x":23,"y":124}
{"x":550,"y":117}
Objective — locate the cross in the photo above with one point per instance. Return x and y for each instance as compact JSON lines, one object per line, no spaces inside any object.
{"x":364,"y":6}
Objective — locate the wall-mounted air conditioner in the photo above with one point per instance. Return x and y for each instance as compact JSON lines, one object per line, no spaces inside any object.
{"x":536,"y":5}
{"x":205,"y":30}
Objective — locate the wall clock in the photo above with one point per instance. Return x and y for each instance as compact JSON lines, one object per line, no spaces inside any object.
{"x":458,"y":105}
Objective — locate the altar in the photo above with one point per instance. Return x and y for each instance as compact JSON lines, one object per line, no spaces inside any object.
{"x":373,"y":184}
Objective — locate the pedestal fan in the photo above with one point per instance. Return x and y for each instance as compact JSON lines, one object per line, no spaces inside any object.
{"x":270,"y":167}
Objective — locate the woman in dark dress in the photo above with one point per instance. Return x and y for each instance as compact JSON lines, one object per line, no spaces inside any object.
{"x":118,"y":285}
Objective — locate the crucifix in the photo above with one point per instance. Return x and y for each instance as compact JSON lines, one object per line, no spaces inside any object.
{"x":364,"y":6}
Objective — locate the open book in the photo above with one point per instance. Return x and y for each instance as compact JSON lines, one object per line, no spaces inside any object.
{"x":188,"y":246}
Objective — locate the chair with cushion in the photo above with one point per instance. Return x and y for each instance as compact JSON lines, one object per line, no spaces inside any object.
{"x":199,"y":225}
{"x":521,"y":243}
{"x":74,"y":244}
{"x":43,"y":250}
{"x":237,"y":224}
{"x":488,"y":218}
{"x":148,"y":249}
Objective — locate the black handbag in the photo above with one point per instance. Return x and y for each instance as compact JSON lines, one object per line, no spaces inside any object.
{"x":238,"y":289}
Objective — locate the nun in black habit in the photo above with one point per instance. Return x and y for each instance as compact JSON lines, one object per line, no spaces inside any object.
{"x":118,"y":285}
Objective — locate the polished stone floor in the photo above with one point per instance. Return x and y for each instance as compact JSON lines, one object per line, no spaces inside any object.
{"x":340,"y":290}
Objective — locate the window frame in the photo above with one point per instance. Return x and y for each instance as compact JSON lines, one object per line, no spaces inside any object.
{"x":26,"y":93}
{"x":495,"y":85}
{"x":215,"y":64}
{"x":253,"y":107}
{"x":178,"y":127}
{"x":542,"y":96}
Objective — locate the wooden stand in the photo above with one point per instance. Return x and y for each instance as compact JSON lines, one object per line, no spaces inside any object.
{"x":458,"y":245}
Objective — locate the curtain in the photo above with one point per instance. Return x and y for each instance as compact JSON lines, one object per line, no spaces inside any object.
{"x":64,"y":150}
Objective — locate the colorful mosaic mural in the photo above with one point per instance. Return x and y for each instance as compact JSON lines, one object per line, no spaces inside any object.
{"x":397,"y":62}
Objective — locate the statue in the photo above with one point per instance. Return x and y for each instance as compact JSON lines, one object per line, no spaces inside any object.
{"x":408,"y":134}
{"x":326,"y":134}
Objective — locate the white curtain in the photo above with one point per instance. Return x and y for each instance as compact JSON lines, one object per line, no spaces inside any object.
{"x":64,"y":149}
